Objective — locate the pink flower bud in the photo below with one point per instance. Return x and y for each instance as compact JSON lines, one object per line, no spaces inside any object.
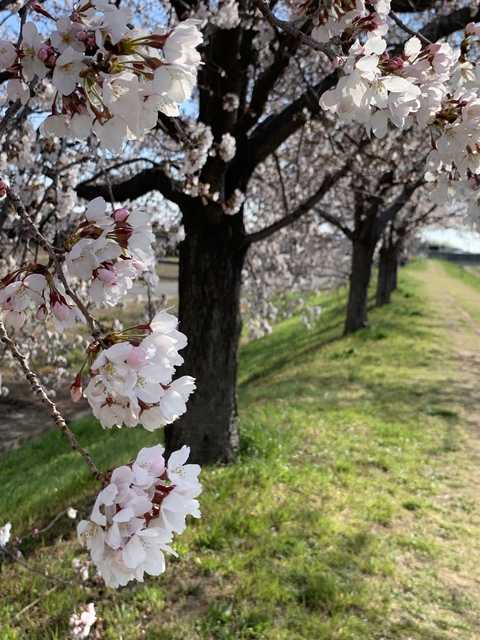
{"x":18,"y":553}
{"x":76,"y":392}
{"x":36,"y":6}
{"x":44,"y":52}
{"x":81,"y":35}
{"x":108,"y":276}
{"x":41,"y":313}
{"x":60,"y":311}
{"x":470,"y":29}
{"x":35,"y":532}
{"x":338,"y":61}
{"x":120,"y":215}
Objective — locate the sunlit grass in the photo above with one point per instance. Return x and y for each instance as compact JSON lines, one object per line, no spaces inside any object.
{"x":347,"y":516}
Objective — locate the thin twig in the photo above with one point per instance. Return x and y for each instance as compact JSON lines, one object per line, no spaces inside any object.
{"x":407,"y":29}
{"x":54,"y":412}
{"x":288,"y":27}
{"x":36,"y":601}
{"x":27,"y":566}
{"x":37,"y":532}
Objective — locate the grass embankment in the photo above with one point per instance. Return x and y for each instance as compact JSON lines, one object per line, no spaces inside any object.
{"x":348,"y":515}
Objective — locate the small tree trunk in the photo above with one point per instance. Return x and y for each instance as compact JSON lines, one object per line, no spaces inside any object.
{"x":362,"y":258}
{"x":387,"y":274}
{"x":211,"y":261}
{"x":383,"y":291}
{"x":394,"y":274}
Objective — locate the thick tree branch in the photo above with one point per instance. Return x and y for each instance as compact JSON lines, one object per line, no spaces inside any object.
{"x":305,"y":207}
{"x":288,"y":27}
{"x":336,"y":222}
{"x":155,"y":179}
{"x":400,"y":201}
{"x":445,"y":25}
{"x":265,"y":83}
{"x":271,"y":133}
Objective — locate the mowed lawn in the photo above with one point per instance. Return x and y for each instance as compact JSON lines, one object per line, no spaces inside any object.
{"x":352,"y":512}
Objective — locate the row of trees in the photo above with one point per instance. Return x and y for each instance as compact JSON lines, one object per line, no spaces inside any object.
{"x":256,"y":86}
{"x":251,"y":155}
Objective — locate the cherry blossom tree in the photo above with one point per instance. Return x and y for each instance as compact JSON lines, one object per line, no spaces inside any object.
{"x":129,"y":370}
{"x":365,"y":202}
{"x":400,"y":235}
{"x":260,"y":85}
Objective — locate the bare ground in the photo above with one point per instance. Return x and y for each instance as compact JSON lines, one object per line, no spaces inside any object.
{"x":23,"y":416}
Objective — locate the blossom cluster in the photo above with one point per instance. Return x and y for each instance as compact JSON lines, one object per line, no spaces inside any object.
{"x":348,"y":17}
{"x":80,"y":625}
{"x":35,"y":285}
{"x":110,"y":250}
{"x":110,"y":78}
{"x":106,"y":251}
{"x":376,"y":89}
{"x":131,"y":381}
{"x":137,"y":513}
{"x":430,"y":83}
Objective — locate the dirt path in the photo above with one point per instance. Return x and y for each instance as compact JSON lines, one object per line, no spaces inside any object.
{"x":457,"y":304}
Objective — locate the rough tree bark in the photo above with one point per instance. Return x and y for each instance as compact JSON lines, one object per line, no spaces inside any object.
{"x":387,"y":274}
{"x":362,"y":260}
{"x":211,"y":260}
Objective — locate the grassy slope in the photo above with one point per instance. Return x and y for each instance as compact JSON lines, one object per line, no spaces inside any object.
{"x":346,"y":517}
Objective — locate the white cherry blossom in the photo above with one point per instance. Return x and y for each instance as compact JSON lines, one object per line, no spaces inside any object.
{"x":136,"y":514}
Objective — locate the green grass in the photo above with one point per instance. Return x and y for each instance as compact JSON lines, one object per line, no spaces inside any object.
{"x":464,"y":274}
{"x":349,"y":514}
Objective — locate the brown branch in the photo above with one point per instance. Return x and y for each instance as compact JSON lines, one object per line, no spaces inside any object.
{"x":449,"y":23}
{"x":336,"y":222}
{"x":411,"y":32}
{"x":154,"y":179}
{"x":288,"y":27}
{"x":274,"y":130}
{"x":37,"y":388}
{"x":9,"y":116}
{"x":301,"y":210}
{"x":400,"y":201}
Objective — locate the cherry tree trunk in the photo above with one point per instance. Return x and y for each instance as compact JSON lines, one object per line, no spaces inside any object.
{"x":362,"y":259}
{"x":211,"y":260}
{"x":387,"y":275}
